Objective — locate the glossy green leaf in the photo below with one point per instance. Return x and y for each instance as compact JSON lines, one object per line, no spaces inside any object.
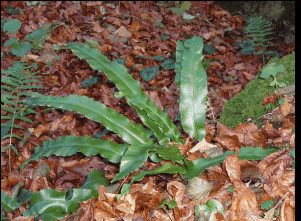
{"x":154,"y":157}
{"x":153,"y":112}
{"x":196,"y":167}
{"x":132,"y":160}
{"x":94,"y":179}
{"x":193,"y":89}
{"x":166,"y":168}
{"x":171,"y":153}
{"x":69,"y":145}
{"x":149,"y":73}
{"x":254,"y":153}
{"x":162,"y":139}
{"x":101,"y":134}
{"x":92,"y":43}
{"x":128,"y":85}
{"x":179,"y":56}
{"x":8,"y":204}
{"x":11,"y":204}
{"x":56,"y":204}
{"x":132,"y":133}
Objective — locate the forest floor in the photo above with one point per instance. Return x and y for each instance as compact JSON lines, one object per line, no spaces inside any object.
{"x":136,"y":32}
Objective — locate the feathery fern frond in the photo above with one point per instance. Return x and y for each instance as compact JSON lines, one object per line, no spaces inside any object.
{"x":15,"y":83}
{"x":261,"y":31}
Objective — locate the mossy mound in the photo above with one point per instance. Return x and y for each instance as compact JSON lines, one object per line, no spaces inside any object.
{"x":247,"y":104}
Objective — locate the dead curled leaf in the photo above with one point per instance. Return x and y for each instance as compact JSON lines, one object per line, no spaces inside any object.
{"x":247,"y":135}
{"x":202,"y":146}
{"x":269,"y":99}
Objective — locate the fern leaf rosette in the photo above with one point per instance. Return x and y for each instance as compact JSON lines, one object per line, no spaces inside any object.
{"x":193,"y":89}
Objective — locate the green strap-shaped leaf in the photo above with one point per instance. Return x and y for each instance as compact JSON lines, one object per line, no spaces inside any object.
{"x":128,"y":85}
{"x":9,"y":204}
{"x":254,"y":153}
{"x":153,"y":126}
{"x":171,"y":153}
{"x":94,"y":179}
{"x":193,"y":89}
{"x":166,"y":168}
{"x":69,"y":145}
{"x":56,"y":204}
{"x":132,"y":133}
{"x":196,"y":167}
{"x":179,"y":57}
{"x":133,"y":159}
{"x":169,"y":129}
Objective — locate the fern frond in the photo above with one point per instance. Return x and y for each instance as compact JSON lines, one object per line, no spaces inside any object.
{"x":11,"y":135}
{"x":10,"y":146}
{"x":16,"y":80}
{"x":261,"y":30}
{"x":10,"y":81}
{"x":28,"y":87}
{"x":8,"y":88}
{"x":11,"y":125}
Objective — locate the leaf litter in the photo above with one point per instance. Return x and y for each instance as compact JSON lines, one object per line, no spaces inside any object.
{"x":125,"y":30}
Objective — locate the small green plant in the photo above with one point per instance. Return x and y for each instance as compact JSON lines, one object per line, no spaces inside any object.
{"x":261,"y":31}
{"x":272,"y":70}
{"x":37,"y":37}
{"x":15,"y":83}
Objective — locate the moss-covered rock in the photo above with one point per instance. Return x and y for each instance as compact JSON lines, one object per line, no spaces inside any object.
{"x":247,"y":104}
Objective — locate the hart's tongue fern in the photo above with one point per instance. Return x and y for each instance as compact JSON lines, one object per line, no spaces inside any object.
{"x":15,"y":83}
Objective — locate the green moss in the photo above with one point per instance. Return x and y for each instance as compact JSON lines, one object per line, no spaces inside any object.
{"x":247,"y":104}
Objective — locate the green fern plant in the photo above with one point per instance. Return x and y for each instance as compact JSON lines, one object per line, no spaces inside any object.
{"x":193,"y":89}
{"x":133,"y":154}
{"x":15,"y":83}
{"x":261,"y":32}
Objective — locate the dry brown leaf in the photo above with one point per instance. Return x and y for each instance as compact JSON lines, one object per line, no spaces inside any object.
{"x":123,"y":32}
{"x":232,"y":165}
{"x":240,"y":66}
{"x":202,"y":146}
{"x":285,"y":108}
{"x":245,"y":205}
{"x":154,"y":97}
{"x":269,"y":99}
